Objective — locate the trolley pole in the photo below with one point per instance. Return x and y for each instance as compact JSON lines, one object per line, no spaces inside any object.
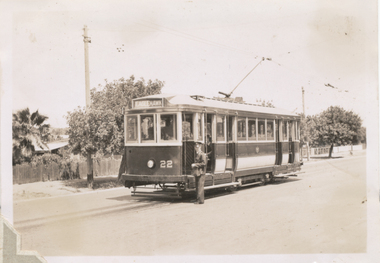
{"x":86,"y":40}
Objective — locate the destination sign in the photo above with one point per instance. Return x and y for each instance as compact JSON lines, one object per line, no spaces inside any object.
{"x":148,"y":103}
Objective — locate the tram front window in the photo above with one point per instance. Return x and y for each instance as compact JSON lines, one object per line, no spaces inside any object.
{"x":168,"y":127}
{"x":132,"y":128}
{"x":187,"y":127}
{"x":147,"y":128}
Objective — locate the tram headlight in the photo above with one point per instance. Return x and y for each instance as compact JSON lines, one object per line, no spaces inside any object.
{"x":150,"y":163}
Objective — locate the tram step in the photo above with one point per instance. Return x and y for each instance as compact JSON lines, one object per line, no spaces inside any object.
{"x":254,"y":183}
{"x":156,"y":195}
{"x":284,"y":176}
{"x":221,"y":185}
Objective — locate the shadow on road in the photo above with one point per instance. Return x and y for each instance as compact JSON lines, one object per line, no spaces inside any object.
{"x":189,"y":197}
{"x":105,"y":182}
{"x":325,"y":157}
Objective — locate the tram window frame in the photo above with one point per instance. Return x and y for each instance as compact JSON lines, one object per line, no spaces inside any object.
{"x":298,"y":131}
{"x":223,"y":126}
{"x":136,"y":140}
{"x":259,"y":132}
{"x":250,"y":138}
{"x":267,"y":129}
{"x":231,"y":122}
{"x":191,"y":137}
{"x":173,"y":128}
{"x":292,"y":134}
{"x":242,"y":129}
{"x":154,"y":128}
{"x":198,"y":127}
{"x":285,"y":131}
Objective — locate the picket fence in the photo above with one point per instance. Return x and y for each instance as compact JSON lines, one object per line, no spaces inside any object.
{"x":26,"y":173}
{"x":336,"y":149}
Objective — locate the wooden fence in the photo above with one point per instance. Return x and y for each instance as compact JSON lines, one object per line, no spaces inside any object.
{"x":336,"y":149}
{"x":25,"y":173}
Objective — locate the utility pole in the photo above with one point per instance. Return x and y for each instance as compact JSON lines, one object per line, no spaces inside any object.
{"x":86,"y":40}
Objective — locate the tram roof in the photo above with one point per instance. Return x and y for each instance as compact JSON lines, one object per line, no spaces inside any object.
{"x":197,"y":101}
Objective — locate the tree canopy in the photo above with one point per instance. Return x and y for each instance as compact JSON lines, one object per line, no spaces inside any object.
{"x":100,"y":128}
{"x":28,"y":131}
{"x":334,"y":126}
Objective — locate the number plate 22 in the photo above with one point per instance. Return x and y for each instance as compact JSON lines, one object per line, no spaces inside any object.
{"x":166,"y":164}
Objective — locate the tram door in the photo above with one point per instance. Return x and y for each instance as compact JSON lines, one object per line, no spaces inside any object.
{"x":230,"y":145}
{"x":278,"y":144}
{"x":209,"y":144}
{"x":291,"y":141}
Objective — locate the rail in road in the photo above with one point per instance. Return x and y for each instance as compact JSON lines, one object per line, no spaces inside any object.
{"x":32,"y":213}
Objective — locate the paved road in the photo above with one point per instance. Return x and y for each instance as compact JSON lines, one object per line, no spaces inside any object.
{"x":323,"y":210}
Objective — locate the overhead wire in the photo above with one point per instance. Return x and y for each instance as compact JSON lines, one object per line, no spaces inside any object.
{"x":342,"y":91}
{"x":157,"y":27}
{"x":191,"y":37}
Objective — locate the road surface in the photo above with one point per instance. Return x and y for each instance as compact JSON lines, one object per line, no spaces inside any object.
{"x":323,"y":210}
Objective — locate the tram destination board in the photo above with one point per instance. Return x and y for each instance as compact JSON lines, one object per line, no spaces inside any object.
{"x":148,"y":103}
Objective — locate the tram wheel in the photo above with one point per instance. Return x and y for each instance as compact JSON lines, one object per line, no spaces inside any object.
{"x":262,"y":180}
{"x":265,"y":179}
{"x":231,"y":189}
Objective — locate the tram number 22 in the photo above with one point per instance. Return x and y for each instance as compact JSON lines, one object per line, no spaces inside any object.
{"x":166,"y":164}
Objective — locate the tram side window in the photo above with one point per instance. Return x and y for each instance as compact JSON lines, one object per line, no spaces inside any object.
{"x":284,"y":130}
{"x":291,"y":131}
{"x":168,"y":127}
{"x":261,"y":130}
{"x":270,"y":130}
{"x":242,"y":131}
{"x":132,"y":128}
{"x":220,"y":128}
{"x":147,"y":128}
{"x":251,"y":130}
{"x":187,"y":127}
{"x":298,"y":131}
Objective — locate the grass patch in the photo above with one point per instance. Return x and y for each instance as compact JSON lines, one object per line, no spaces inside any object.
{"x":99,"y":183}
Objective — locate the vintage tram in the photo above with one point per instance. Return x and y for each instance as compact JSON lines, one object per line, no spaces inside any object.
{"x":246,"y":144}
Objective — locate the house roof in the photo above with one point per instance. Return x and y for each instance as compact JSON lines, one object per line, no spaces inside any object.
{"x":51,"y":146}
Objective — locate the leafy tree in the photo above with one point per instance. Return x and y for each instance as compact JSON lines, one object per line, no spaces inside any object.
{"x":307,"y":126}
{"x":58,"y":131}
{"x":28,"y":131}
{"x":361,"y":137}
{"x":100,"y":128}
{"x":335,"y":126}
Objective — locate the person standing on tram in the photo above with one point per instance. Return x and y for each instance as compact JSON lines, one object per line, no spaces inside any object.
{"x":199,"y":172}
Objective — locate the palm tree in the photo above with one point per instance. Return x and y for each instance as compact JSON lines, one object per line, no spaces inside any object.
{"x":28,"y":131}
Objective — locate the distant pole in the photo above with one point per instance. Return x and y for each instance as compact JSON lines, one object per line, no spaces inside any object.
{"x":86,"y":40}
{"x":303,"y":101}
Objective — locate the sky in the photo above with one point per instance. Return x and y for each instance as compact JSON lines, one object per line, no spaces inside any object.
{"x":197,"y":47}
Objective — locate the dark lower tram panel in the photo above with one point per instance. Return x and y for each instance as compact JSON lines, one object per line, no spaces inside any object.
{"x":182,"y":157}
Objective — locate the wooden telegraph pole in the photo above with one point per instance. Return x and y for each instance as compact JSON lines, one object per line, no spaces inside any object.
{"x":86,"y":40}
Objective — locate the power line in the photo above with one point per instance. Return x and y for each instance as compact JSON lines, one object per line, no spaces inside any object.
{"x":191,"y":37}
